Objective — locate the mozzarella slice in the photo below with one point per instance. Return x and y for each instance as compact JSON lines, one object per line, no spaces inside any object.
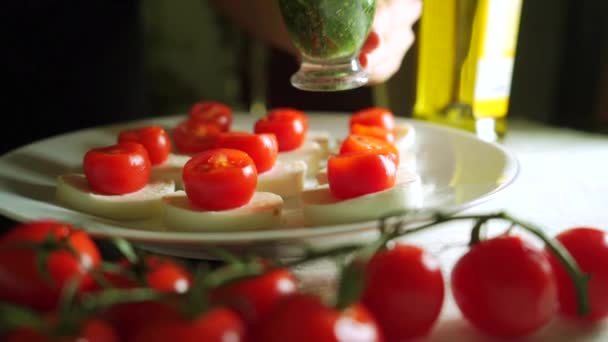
{"x":310,"y":153}
{"x":262,"y":212}
{"x":171,"y":169}
{"x":320,"y":207}
{"x":323,"y":138}
{"x":73,"y":190}
{"x":285,"y":179}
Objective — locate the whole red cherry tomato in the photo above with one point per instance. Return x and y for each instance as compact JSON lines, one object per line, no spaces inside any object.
{"x":216,"y":325}
{"x":154,"y":138}
{"x":373,"y":131}
{"x":20,"y":280}
{"x":363,"y":143}
{"x":304,"y":318}
{"x":212,"y":112}
{"x":92,"y":330}
{"x":589,"y":247}
{"x":505,"y":287}
{"x":192,"y":137}
{"x":262,"y":148}
{"x":288,"y":125}
{"x":375,"y":116}
{"x":220,"y":179}
{"x":355,"y":174}
{"x":158,"y":273}
{"x":117,"y":169}
{"x":404,"y":291}
{"x":254,"y":297}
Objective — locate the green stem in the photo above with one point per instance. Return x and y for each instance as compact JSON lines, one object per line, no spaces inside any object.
{"x":476,"y":231}
{"x":14,"y":316}
{"x":106,"y":298}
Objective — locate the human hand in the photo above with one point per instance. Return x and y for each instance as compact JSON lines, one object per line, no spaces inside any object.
{"x":390,"y":38}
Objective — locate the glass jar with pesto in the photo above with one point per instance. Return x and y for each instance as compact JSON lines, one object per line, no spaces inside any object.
{"x":329,"y":35}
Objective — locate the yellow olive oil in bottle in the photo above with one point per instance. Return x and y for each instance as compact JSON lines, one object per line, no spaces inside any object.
{"x":465,"y":63}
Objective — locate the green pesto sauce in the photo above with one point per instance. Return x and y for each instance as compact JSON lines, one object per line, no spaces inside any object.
{"x":328,"y":29}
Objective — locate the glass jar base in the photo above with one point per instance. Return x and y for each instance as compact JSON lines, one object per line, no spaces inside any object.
{"x":329,"y":77}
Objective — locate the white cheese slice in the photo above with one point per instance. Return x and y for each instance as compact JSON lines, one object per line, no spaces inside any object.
{"x":262,"y":212}
{"x":171,"y":169}
{"x":73,"y":190}
{"x":310,"y":153}
{"x":320,"y":207}
{"x":323,"y":138}
{"x":285,"y":179}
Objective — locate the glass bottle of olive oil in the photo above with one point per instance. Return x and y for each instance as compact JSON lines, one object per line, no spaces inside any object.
{"x":466,"y":55}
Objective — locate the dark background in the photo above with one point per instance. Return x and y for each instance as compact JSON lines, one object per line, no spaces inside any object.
{"x":71,"y":64}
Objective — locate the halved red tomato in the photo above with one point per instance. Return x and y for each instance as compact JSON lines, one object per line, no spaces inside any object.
{"x":212,"y":112}
{"x":373,"y":131}
{"x":374,"y":116}
{"x":355,"y":174}
{"x":154,"y":138}
{"x":288,"y":125}
{"x":220,"y":179}
{"x":364,"y":143}
{"x":192,"y":137}
{"x":262,"y":148}
{"x":117,"y":169}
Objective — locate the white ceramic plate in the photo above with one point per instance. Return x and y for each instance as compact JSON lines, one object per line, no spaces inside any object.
{"x":457,"y":170}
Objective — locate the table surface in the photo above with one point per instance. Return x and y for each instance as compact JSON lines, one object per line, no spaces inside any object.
{"x":563,"y":183}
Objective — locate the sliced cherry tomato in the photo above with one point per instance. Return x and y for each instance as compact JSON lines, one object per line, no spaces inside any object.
{"x":288,"y":125}
{"x":356,"y":174}
{"x":20,"y":279}
{"x":303,"y":317}
{"x":92,"y":330}
{"x":117,"y":169}
{"x":212,"y":112}
{"x":404,"y":291}
{"x":253,"y":298}
{"x":505,"y":287}
{"x":589,"y":247}
{"x":287,"y":114}
{"x":375,"y":116}
{"x":220,"y":179}
{"x":262,"y":148}
{"x":192,"y":137}
{"x":154,"y":138}
{"x":217,"y":325}
{"x":362,"y":143}
{"x":373,"y":131}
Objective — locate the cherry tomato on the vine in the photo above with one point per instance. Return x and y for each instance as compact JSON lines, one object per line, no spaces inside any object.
{"x":92,"y":330}
{"x":20,"y":279}
{"x":254,"y":297}
{"x":404,"y":291}
{"x":355,"y":174}
{"x":288,"y":125}
{"x":192,"y":137}
{"x":589,"y":247}
{"x":118,"y":169}
{"x":375,"y":116}
{"x":216,"y":325}
{"x":304,"y":318}
{"x":363,"y":143}
{"x":373,"y":131}
{"x":154,"y":138}
{"x":505,"y":287}
{"x":212,"y":112}
{"x":262,"y":148}
{"x":220,"y":179}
